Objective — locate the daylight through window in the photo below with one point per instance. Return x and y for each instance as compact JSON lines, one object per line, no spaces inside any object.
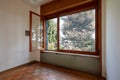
{"x":77,"y":31}
{"x":74,"y":30}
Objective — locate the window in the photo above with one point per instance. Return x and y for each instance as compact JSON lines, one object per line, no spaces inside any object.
{"x":36,"y":32}
{"x":75,"y":30}
{"x":51,"y":31}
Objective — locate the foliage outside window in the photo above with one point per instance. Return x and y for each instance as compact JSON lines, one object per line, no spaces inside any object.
{"x":76,"y":32}
{"x":51,"y":25}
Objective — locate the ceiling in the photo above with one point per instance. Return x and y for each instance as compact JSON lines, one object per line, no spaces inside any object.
{"x":36,"y":3}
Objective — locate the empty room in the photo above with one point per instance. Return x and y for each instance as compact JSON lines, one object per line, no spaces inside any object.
{"x":59,"y":40}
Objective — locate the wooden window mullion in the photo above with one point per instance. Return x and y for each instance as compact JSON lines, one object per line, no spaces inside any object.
{"x":58,"y":44}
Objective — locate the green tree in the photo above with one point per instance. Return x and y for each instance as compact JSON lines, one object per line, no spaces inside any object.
{"x":52,"y":32}
{"x":78,"y":30}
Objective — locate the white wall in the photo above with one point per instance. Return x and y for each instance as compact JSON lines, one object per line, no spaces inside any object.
{"x":14,"y":45}
{"x":113,"y":39}
{"x":104,"y":38}
{"x":35,"y":55}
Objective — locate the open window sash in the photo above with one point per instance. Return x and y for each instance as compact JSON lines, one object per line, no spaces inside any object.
{"x":36,"y":32}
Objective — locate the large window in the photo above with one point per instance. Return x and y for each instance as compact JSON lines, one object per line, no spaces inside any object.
{"x":75,"y":30}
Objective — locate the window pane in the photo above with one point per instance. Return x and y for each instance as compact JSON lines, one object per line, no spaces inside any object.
{"x":36,"y":32}
{"x":51,"y":26}
{"x":77,"y":31}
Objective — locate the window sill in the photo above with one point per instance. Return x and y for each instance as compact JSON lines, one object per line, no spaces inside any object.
{"x":40,"y":49}
{"x":72,"y":54}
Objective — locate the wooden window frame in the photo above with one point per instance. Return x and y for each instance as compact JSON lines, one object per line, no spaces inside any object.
{"x":31,"y":13}
{"x":84,"y":7}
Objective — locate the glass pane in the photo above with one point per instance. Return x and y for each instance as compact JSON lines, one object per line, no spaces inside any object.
{"x":77,"y":31}
{"x":37,"y":36}
{"x":51,"y":25}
